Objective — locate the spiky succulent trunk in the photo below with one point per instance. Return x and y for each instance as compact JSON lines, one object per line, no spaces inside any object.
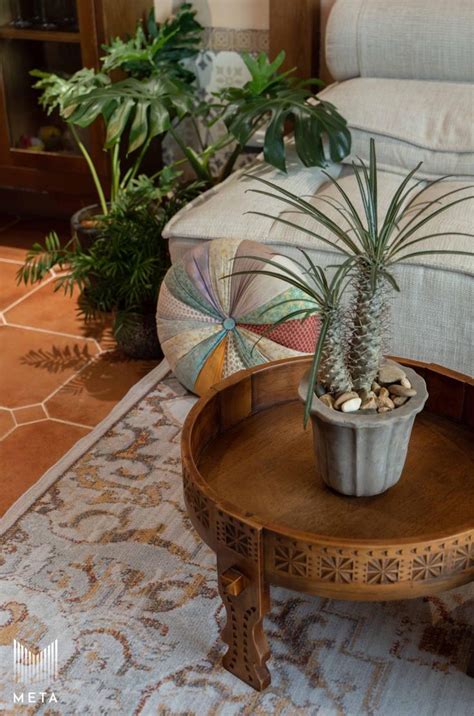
{"x":333,"y":373}
{"x":368,"y":319}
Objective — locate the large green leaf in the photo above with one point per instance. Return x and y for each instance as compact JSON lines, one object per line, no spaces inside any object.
{"x":139,"y":128}
{"x":85,"y":114}
{"x":64,"y":93}
{"x":278,"y":100}
{"x":274,"y":146}
{"x":159,"y":119}
{"x":262,"y":71}
{"x":164,"y":47}
{"x":308,"y":140}
{"x":145,"y":107}
{"x":118,"y":122}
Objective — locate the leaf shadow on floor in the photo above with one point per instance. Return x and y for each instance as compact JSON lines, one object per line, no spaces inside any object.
{"x":96,"y":374}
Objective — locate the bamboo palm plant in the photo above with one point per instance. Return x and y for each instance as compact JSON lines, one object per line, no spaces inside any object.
{"x":121,"y":272}
{"x":350,"y":356}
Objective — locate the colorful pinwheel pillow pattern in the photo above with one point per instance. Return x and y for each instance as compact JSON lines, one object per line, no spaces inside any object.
{"x":212,"y":324}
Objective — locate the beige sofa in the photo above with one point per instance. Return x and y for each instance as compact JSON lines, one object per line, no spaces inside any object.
{"x":404,"y":74}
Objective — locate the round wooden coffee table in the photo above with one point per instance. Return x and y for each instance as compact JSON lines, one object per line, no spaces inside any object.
{"x":253,"y":495}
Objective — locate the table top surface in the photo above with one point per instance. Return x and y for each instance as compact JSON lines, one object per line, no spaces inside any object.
{"x":250,"y":453}
{"x":264,"y":466}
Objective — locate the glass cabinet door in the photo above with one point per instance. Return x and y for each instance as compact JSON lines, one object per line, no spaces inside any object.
{"x":37,"y":34}
{"x":43,"y":14}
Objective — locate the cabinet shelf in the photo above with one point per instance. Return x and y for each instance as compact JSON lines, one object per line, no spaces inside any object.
{"x":59,"y":171}
{"x":30,"y":33}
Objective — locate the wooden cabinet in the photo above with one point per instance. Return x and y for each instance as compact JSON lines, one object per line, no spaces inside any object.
{"x":56,"y":167}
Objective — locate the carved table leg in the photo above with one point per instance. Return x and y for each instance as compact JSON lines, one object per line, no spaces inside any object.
{"x":246,"y":601}
{"x":241,"y":569}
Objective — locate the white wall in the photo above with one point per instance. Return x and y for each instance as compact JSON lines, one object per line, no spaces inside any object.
{"x":234,"y":14}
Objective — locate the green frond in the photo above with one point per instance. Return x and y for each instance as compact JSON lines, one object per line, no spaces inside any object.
{"x":404,"y":246}
{"x":432,"y":252}
{"x":406,"y":234}
{"x":315,"y":368}
{"x":302,"y":229}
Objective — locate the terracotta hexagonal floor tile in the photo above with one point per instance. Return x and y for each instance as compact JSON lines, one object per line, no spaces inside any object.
{"x":90,"y":396}
{"x":17,"y":237}
{"x":10,"y":291}
{"x":34,"y":363}
{"x":6,"y":422}
{"x":54,"y":311}
{"x":30,"y":414}
{"x":48,"y":354}
{"x":28,"y":441}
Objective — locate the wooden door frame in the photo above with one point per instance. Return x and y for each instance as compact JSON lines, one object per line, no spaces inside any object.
{"x":294,"y":27}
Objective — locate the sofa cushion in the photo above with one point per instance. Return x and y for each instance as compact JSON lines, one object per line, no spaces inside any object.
{"x":223,"y":212}
{"x":411,"y":121}
{"x":212,"y":324}
{"x":408,"y":39}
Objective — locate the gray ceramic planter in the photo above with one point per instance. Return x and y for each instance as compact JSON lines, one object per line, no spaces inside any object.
{"x":359,"y":454}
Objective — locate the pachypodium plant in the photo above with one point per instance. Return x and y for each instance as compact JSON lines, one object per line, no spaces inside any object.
{"x":324,"y":298}
{"x":350,"y":356}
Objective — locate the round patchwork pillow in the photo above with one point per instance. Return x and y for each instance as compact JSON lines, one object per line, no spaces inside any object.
{"x":211,"y":325}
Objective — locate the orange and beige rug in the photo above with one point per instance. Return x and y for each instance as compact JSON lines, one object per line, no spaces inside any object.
{"x":58,"y":379}
{"x":101,"y":556}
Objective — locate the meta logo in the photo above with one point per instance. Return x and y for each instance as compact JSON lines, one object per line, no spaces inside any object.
{"x":35,"y":667}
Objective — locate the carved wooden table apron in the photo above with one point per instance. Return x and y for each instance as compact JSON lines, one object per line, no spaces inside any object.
{"x":253,"y":495}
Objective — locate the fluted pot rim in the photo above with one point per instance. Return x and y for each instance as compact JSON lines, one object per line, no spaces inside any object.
{"x":404,"y":413}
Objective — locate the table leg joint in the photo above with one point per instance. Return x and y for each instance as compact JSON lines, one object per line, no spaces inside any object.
{"x":245,"y":598}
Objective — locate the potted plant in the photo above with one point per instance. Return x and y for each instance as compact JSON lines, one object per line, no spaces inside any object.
{"x":274,"y":103}
{"x":121,"y":272}
{"x":116,"y":258}
{"x":132,"y":118}
{"x":155,"y":99}
{"x":362,"y":407}
{"x":270,"y":100}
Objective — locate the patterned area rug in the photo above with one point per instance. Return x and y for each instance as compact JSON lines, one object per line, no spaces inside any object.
{"x":106,"y":561}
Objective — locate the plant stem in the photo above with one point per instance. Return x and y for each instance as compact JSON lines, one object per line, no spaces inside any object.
{"x":198,"y":134}
{"x":333,"y":373}
{"x":132,"y":172}
{"x":369,"y":316}
{"x":115,"y":171}
{"x":92,"y":169}
{"x":176,"y":163}
{"x":230,"y":163}
{"x":199,"y":169}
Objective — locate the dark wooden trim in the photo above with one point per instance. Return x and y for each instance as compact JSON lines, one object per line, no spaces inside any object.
{"x":13,"y":33}
{"x":24,"y":202}
{"x":61,"y":173}
{"x":294,"y":27}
